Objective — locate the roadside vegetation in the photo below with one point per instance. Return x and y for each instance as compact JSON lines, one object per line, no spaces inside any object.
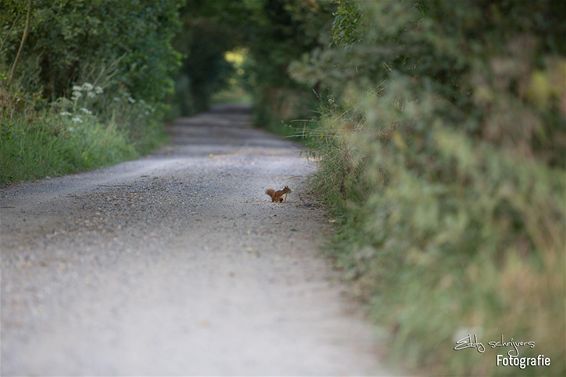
{"x":82,"y":84}
{"x":444,"y":161}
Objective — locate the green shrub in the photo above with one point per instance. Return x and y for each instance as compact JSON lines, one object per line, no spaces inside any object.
{"x":443,"y":161}
{"x":82,"y":83}
{"x":73,"y":41}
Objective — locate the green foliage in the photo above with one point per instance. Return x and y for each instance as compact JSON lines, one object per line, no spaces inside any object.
{"x":346,"y":29}
{"x":273,"y":33}
{"x":210,"y":29}
{"x":56,"y":144}
{"x":285,"y":30}
{"x":103,"y":66}
{"x":444,"y":164}
{"x":70,"y":41}
{"x":205,"y":70}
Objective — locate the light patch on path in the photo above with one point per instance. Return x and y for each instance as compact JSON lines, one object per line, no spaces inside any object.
{"x":177,"y":264}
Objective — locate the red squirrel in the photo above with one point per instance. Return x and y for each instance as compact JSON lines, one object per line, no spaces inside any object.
{"x":278,"y":196}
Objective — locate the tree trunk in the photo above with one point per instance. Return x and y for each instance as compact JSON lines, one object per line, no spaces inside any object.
{"x":24,"y":36}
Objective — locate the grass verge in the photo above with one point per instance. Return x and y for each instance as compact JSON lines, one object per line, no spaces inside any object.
{"x":87,"y":131}
{"x":50,"y":145}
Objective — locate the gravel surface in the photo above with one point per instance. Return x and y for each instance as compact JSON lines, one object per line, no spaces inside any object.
{"x":177,"y":263}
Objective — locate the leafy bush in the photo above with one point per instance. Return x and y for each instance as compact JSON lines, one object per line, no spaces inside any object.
{"x":73,"y":41}
{"x":444,"y":163}
{"x":99,"y":68}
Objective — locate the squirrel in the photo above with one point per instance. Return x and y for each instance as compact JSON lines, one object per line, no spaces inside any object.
{"x":278,"y":196}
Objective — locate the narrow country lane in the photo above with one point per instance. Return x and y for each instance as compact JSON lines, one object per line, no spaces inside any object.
{"x":177,"y":263}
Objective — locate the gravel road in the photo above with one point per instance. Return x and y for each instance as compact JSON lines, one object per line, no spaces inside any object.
{"x":177,"y":264}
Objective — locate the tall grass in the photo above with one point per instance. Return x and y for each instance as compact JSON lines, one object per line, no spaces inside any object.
{"x":88,"y":130}
{"x":51,"y":145}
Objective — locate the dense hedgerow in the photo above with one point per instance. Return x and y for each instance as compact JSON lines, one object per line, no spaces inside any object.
{"x":443,"y":157}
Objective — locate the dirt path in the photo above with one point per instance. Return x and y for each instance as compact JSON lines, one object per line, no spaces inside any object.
{"x":177,"y":264}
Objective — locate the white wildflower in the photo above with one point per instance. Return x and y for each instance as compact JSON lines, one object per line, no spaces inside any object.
{"x":98,"y":90}
{"x":77,"y":119}
{"x":131,"y":100}
{"x":91,"y":95}
{"x":65,"y":113}
{"x":87,"y":86}
{"x":71,"y":129}
{"x":86,"y":111}
{"x":76,"y":88}
{"x":76,"y":95}
{"x":116,"y":99}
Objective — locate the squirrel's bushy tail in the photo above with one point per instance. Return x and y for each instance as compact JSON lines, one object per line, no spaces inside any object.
{"x":271,"y":193}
